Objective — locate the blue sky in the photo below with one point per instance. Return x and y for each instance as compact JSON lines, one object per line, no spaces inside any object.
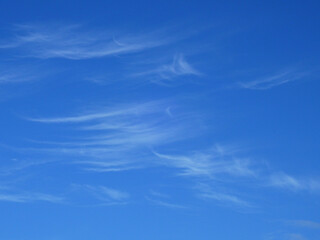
{"x":159,"y":120}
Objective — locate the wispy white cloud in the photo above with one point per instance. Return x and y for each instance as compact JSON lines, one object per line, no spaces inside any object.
{"x":165,"y":203}
{"x":136,"y":136}
{"x":209,"y":163}
{"x":30,"y":197}
{"x":159,"y":194}
{"x":280,"y":235}
{"x":103,"y":113}
{"x":105,"y":194}
{"x":110,"y":166}
{"x":120,"y":138}
{"x":295,"y":236}
{"x":214,"y":167}
{"x":163,"y":200}
{"x":205,"y":192}
{"x":178,"y":68}
{"x":15,"y":73}
{"x":225,"y":198}
{"x":305,"y":224}
{"x":273,"y":81}
{"x":285,"y":181}
{"x":19,"y":165}
{"x":9,"y":78}
{"x":76,"y":42}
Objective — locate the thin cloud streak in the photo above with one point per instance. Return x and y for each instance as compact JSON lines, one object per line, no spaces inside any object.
{"x":30,"y":197}
{"x":305,"y":224}
{"x":274,"y":80}
{"x":106,"y":194}
{"x":136,"y":136}
{"x":102,"y":166}
{"x":10,"y":78}
{"x":205,"y":192}
{"x":120,"y":138}
{"x":208,"y":164}
{"x":168,"y":72}
{"x":285,"y":181}
{"x":165,"y":203}
{"x":75,"y":43}
{"x":137,"y":109}
{"x":225,"y":198}
{"x":17,"y":74}
{"x":295,"y":236}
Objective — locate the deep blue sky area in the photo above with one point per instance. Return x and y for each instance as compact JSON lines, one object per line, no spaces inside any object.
{"x":159,"y":120}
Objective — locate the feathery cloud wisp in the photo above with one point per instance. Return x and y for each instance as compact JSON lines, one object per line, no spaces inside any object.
{"x":165,"y":203}
{"x":105,"y":194}
{"x":121,"y":138}
{"x":273,"y":81}
{"x":75,"y":42}
{"x":282,"y":180}
{"x":30,"y":197}
{"x":178,"y":68}
{"x":105,"y":113}
{"x":296,"y":236}
{"x":205,"y":192}
{"x":305,"y":223}
{"x":208,"y":164}
{"x":225,"y":198}
{"x":18,"y":74}
{"x":13,"y":78}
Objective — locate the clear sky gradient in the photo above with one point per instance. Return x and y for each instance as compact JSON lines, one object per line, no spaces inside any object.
{"x":159,"y":120}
